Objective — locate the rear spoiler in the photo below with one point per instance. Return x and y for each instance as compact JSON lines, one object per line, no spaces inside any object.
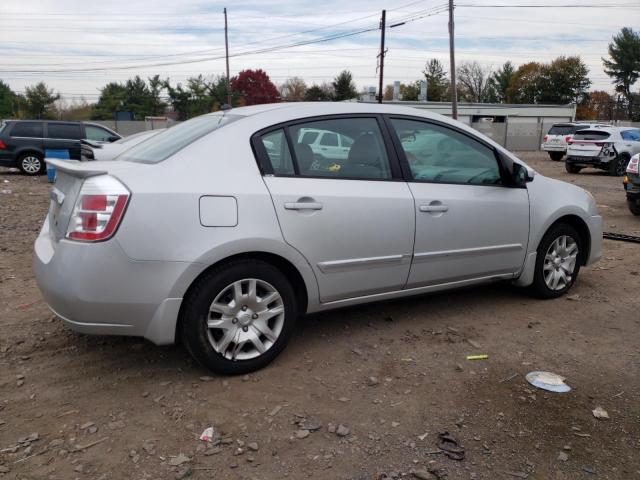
{"x":75,"y":168}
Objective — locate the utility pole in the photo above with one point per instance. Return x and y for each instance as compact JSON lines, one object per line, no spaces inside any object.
{"x":383,"y":22}
{"x":452,"y":56}
{"x":226,"y":48}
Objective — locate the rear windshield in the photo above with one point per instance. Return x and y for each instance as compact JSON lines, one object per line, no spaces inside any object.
{"x":562,"y":130}
{"x":163,"y":145}
{"x":591,"y":135}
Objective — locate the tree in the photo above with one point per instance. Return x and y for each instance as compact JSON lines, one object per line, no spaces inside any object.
{"x":500,"y":81}
{"x":624,"y":66}
{"x":437,"y":82}
{"x":293,"y":90}
{"x":473,"y":82}
{"x":39,"y":101}
{"x":409,"y":91}
{"x":525,"y":83}
{"x":344,"y":87}
{"x":135,"y":95}
{"x":8,"y":101}
{"x":318,"y":93}
{"x":599,"y":105}
{"x":255,"y":86}
{"x":564,"y":80}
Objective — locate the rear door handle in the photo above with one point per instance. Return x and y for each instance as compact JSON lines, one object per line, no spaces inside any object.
{"x":303,"y":206}
{"x":434,"y":208}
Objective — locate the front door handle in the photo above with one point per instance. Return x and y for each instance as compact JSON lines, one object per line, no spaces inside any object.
{"x":434,"y":208}
{"x":303,"y":206}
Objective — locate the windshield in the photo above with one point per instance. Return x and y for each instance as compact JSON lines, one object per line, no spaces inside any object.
{"x":161,"y":146}
{"x":562,"y":130}
{"x":591,"y":135}
{"x":146,"y":133}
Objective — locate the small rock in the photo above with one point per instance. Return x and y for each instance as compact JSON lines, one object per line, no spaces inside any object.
{"x":302,"y":434}
{"x":372,"y":381}
{"x":183,"y":472}
{"x":342,"y":431}
{"x":421,"y":474}
{"x":84,"y":426}
{"x":149,"y":447}
{"x":79,"y":468}
{"x":4,"y":469}
{"x":395,"y":424}
{"x":212,"y":451}
{"x":600,"y":412}
{"x":145,"y":394}
{"x":331,"y":428}
{"x":563,"y":456}
{"x":246,"y":378}
{"x":116,"y":425}
{"x":343,"y":399}
{"x":573,"y":297}
{"x":206,"y":378}
{"x":179,"y":460}
{"x":252,"y":446}
{"x":20,"y":383}
{"x":275,"y":411}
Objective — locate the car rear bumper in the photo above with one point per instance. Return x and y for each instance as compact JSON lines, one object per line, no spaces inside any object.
{"x":8,"y":159}
{"x":96,"y":289}
{"x":588,"y":161}
{"x":553,"y":148}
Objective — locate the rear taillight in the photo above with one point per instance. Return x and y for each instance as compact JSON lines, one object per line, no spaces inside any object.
{"x":634,"y":165}
{"x":98,"y":210}
{"x":3,"y":146}
{"x":567,"y":138}
{"x":546,"y":137}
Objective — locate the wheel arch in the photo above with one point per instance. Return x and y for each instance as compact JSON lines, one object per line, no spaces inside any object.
{"x":29,"y":150}
{"x":285,"y":266}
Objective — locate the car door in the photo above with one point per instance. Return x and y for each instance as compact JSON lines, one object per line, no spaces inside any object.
{"x":469,"y":225}
{"x":26,"y":136}
{"x":353,"y":220}
{"x":64,"y":136}
{"x":631,"y":140}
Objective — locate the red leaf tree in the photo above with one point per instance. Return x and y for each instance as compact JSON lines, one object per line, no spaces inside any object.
{"x":255,"y":86}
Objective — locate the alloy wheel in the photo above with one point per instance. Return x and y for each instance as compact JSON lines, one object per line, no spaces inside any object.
{"x":621,"y":166}
{"x":245,"y":319}
{"x":560,"y":262}
{"x":31,"y":164}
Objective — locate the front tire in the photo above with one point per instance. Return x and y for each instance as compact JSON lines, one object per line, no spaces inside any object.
{"x":618,"y":166}
{"x":570,"y":168}
{"x":557,"y":261}
{"x":31,"y":164}
{"x":556,"y":156}
{"x":634,"y":207}
{"x":239,"y":316}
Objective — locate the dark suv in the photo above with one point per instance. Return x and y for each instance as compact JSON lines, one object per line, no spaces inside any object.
{"x":23,"y":142}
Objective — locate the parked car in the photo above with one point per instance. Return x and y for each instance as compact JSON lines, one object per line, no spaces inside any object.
{"x":324,"y":144}
{"x":608,"y":149}
{"x":556,"y":140}
{"x":632,"y":184}
{"x":92,"y":150}
{"x":204,"y":235}
{"x":23,"y":142}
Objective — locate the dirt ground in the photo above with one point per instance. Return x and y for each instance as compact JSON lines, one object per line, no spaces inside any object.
{"x":393,"y":374}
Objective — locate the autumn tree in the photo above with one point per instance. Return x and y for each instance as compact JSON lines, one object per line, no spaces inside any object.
{"x":293,"y":90}
{"x":437,"y":81}
{"x":623,"y":65}
{"x":343,"y":86}
{"x":564,"y":80}
{"x":255,"y":86}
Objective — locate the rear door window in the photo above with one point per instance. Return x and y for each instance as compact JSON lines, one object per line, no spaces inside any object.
{"x":27,"y":130}
{"x":562,"y":130}
{"x":64,"y":131}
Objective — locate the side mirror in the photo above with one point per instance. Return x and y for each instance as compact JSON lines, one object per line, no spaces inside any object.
{"x":522,"y":175}
{"x":113,"y":138}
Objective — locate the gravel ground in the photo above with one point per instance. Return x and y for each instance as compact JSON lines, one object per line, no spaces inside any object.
{"x":360,"y":393}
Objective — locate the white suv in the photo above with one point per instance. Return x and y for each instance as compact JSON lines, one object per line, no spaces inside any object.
{"x":604,"y":148}
{"x":556,"y":140}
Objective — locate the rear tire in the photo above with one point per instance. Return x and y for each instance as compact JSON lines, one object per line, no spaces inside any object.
{"x":618,"y":166}
{"x":556,"y":156}
{"x":225,"y":326}
{"x":558,"y":257}
{"x":31,"y":164}
{"x":570,"y":168}
{"x":634,"y":207}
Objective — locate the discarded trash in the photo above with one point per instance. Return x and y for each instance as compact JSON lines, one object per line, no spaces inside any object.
{"x":208,"y":435}
{"x":450,"y":446}
{"x":477,"y":357}
{"x":509,"y":378}
{"x":600,"y":412}
{"x":551,"y":382}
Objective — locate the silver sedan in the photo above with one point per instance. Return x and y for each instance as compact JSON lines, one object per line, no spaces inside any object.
{"x":221,"y":231}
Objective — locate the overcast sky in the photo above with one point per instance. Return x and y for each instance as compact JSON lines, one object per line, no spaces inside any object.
{"x":86,"y":43}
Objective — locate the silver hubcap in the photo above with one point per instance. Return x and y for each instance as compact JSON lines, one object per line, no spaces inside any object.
{"x":245,"y":319}
{"x":31,"y":164}
{"x":560,"y":262}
